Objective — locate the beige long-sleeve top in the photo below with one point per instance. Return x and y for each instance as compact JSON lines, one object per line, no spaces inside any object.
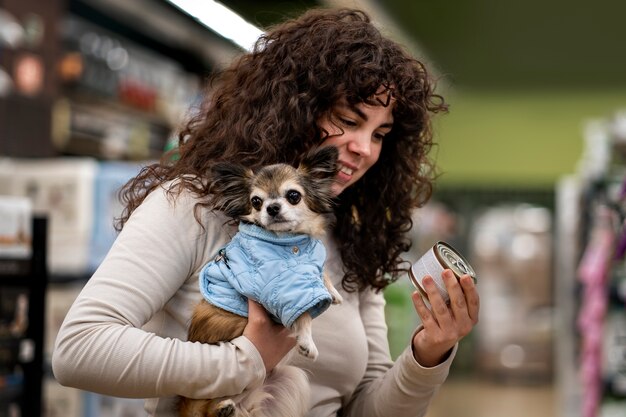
{"x":125,"y":335}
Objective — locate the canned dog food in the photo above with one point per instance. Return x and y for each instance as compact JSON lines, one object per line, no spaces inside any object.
{"x":440,"y":257}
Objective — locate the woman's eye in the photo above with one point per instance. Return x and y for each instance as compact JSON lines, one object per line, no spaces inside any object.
{"x":347,"y":122}
{"x":379,"y":136}
{"x":256,"y":202}
{"x":293,"y":197}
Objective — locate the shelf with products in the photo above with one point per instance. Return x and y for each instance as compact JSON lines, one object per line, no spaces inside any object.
{"x":23,"y":283}
{"x":120,"y":79}
{"x":592,"y":276}
{"x":118,"y":100}
{"x":112,"y":82}
{"x":107,"y":79}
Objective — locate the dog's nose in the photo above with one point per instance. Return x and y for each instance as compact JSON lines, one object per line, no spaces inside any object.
{"x":273,"y":209}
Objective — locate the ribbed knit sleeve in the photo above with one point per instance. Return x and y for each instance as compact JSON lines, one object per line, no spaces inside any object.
{"x":400,"y":389}
{"x":101,"y":345}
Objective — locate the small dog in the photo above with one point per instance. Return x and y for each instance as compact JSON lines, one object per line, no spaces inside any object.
{"x":282,"y":212}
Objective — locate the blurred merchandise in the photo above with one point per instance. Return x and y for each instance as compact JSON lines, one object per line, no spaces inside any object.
{"x":61,"y":189}
{"x":614,"y":351}
{"x":60,"y":401}
{"x":22,"y":299}
{"x":6,"y":83}
{"x":109,"y":179}
{"x":28,"y":74}
{"x":434,"y":222}
{"x":596,"y":305}
{"x":11,"y":32}
{"x":120,"y":100}
{"x":89,"y":91}
{"x":79,"y":196}
{"x":593,"y":272}
{"x":103,"y":406}
{"x":511,"y":248}
{"x":75,"y":82}
{"x":15,"y":227}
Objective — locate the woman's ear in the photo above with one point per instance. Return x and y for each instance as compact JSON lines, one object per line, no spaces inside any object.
{"x":231,"y":187}
{"x":320,"y":163}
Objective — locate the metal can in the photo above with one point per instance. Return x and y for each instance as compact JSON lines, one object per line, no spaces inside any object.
{"x":438,"y":258}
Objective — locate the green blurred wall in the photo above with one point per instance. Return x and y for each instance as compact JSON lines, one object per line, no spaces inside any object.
{"x":515,"y":138}
{"x":525,"y":76}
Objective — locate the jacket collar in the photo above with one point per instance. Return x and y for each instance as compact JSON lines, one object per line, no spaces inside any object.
{"x":258,"y":232}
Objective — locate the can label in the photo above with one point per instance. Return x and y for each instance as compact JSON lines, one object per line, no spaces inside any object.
{"x":438,"y":258}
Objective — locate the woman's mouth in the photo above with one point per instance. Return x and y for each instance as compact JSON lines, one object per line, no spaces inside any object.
{"x":344,"y":173}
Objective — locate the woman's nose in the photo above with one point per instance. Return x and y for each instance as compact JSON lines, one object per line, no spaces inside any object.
{"x":360,"y":145}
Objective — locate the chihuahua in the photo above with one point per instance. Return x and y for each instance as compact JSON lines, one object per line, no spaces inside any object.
{"x":276,"y":258}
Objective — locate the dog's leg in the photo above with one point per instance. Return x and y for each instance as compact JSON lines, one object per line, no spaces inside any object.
{"x":210,"y":324}
{"x":190,"y":408}
{"x":301,"y":328}
{"x":337,"y":298}
{"x":225,"y":408}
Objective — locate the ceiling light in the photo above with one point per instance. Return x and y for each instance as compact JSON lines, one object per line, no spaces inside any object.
{"x":221,"y":20}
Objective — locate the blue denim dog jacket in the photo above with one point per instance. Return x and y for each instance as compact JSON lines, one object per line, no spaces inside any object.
{"x":283,"y":273}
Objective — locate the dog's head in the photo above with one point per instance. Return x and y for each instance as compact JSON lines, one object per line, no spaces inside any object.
{"x":279,"y":197}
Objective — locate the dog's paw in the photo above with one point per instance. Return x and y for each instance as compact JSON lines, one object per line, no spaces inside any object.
{"x":226,"y":408}
{"x":336,"y":297}
{"x":306,"y":347}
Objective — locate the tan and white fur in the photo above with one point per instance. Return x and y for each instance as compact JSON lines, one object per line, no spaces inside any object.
{"x":282,"y":199}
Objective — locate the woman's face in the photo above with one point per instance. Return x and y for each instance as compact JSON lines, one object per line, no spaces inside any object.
{"x":358,"y":133}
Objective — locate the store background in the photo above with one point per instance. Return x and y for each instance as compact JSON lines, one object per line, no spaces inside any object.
{"x":531,"y":162}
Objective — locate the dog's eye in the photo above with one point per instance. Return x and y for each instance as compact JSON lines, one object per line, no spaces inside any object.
{"x":256,"y":202}
{"x":293,"y":197}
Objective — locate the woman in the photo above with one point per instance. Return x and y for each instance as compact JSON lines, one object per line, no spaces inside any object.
{"x":327,"y":78}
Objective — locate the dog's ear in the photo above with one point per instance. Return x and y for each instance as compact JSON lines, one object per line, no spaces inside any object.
{"x":231,"y":187}
{"x":320,"y":163}
{"x":318,"y":168}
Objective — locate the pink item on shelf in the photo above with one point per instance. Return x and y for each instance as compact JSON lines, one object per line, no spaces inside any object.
{"x":593,"y":272}
{"x":597,"y":257}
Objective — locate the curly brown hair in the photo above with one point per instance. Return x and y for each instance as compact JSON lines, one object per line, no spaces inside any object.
{"x":265,"y":108}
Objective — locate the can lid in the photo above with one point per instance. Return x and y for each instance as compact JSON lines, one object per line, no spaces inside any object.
{"x":450,"y":258}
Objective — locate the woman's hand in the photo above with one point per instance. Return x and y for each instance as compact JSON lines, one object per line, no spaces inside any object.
{"x":272,"y":340}
{"x":445,"y":325}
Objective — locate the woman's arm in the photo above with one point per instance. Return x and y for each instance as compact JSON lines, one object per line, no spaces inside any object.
{"x":407,"y":387}
{"x":101,"y":346}
{"x":403,"y":388}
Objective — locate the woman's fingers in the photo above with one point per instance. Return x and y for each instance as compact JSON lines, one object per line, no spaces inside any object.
{"x":273,"y":341}
{"x":444,"y":324}
{"x":428,"y":321}
{"x":455,"y":292}
{"x":459,"y":302}
{"x":456,"y":318}
{"x":471,"y":296}
{"x":439,"y":307}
